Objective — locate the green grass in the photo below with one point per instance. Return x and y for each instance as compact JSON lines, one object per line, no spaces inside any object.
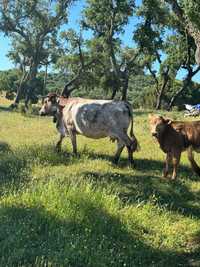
{"x":60,"y":210}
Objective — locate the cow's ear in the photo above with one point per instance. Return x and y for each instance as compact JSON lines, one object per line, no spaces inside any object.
{"x":53,"y":97}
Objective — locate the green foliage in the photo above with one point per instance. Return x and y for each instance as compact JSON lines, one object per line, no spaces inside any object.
{"x":192,"y":10}
{"x":97,"y":15}
{"x":190,"y":96}
{"x":141,"y":91}
{"x":9,"y":80}
{"x":33,"y":28}
{"x":150,"y":32}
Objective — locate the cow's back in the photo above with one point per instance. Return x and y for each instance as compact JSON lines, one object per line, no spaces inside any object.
{"x":190,"y":129}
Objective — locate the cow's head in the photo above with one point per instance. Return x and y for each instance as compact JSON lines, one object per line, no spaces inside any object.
{"x":158,"y":125}
{"x":50,"y":105}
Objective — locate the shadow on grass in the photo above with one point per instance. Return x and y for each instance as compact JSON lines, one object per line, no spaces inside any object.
{"x":174,"y":195}
{"x":140,"y":164}
{"x":30,"y":236}
{"x":3,"y":108}
{"x":4,"y":147}
{"x":138,"y":112}
{"x":15,"y":166}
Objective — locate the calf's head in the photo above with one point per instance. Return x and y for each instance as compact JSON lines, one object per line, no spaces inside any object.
{"x":158,"y":124}
{"x":50,"y":105}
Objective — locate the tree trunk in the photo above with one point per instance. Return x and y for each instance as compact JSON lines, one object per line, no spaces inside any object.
{"x":113,"y":60}
{"x":161,"y":92}
{"x":19,"y":90}
{"x":45,"y":79}
{"x":125,"y":85}
{"x":179,"y":92}
{"x":186,"y":22}
{"x":116,"y":72}
{"x":66,"y":91}
{"x":186,"y":83}
{"x":158,"y":101}
{"x":32,"y":84}
{"x":114,"y":92}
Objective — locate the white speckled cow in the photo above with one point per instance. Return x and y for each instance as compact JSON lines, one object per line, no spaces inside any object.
{"x":94,"y":119}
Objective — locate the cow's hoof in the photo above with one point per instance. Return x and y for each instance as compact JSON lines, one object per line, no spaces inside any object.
{"x":165,"y":174}
{"x":58,"y":149}
{"x":132,"y":164}
{"x":115,"y":161}
{"x":76,"y":155}
{"x":173,"y":178}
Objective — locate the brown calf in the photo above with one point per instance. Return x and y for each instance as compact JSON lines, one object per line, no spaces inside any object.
{"x":175,"y":137}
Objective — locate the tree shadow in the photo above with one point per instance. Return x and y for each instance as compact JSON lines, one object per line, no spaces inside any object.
{"x":15,"y":166}
{"x":139,"y":164}
{"x":32,"y":236}
{"x":4,"y":147}
{"x":92,"y":155}
{"x":155,"y":165}
{"x":173,"y":195}
{"x":3,"y":108}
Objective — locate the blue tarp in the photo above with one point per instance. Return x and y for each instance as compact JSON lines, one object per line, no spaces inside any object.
{"x":197,"y":106}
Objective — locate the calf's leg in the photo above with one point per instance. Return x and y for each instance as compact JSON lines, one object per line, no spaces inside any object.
{"x":193,"y":163}
{"x":167,"y":163}
{"x":175,"y":162}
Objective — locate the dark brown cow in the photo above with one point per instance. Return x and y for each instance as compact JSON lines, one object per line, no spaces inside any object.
{"x":174,"y":137}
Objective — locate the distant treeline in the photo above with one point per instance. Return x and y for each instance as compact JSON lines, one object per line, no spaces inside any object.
{"x":141,"y":89}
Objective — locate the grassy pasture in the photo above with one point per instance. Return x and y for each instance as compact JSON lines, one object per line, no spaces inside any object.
{"x":60,"y":210}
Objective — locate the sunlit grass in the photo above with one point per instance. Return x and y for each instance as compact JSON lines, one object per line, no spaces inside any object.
{"x":61,"y":210}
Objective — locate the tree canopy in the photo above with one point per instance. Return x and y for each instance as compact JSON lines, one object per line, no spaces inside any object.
{"x":165,"y":42}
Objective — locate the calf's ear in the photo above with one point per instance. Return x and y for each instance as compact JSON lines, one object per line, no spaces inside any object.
{"x":150,"y":116}
{"x":60,"y":108}
{"x":168,"y":121}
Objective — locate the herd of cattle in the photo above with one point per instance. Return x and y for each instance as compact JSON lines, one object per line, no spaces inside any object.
{"x":108,"y":118}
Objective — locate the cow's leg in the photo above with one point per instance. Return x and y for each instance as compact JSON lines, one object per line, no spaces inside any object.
{"x":167,"y":163}
{"x":120,"y":147}
{"x":130,"y":147}
{"x":59,"y":143}
{"x":130,"y":154}
{"x":72,"y":136}
{"x":175,"y":162}
{"x":125,"y":139}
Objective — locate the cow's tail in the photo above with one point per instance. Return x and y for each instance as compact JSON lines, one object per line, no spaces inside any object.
{"x":135,"y":143}
{"x":193,"y":163}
